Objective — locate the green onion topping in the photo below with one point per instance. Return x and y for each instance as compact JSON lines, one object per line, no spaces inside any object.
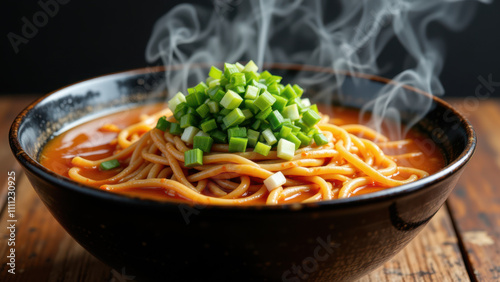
{"x":241,"y":107}
{"x":111,"y":164}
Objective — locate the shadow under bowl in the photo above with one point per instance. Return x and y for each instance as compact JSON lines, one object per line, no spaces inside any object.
{"x":331,"y":240}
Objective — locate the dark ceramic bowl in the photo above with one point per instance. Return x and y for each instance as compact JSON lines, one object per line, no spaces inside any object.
{"x":331,"y":240}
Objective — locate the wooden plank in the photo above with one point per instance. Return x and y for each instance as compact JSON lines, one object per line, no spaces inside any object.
{"x":475,"y":202}
{"x":434,"y":255}
{"x":10,"y":107}
{"x":44,"y":251}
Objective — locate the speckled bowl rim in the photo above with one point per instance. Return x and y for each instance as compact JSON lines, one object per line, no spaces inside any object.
{"x":420,"y":185}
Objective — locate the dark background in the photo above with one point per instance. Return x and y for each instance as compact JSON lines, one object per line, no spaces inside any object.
{"x":90,"y":38}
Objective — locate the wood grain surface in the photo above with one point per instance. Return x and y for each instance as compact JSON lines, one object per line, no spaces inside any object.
{"x":475,"y":203}
{"x":461,"y":243}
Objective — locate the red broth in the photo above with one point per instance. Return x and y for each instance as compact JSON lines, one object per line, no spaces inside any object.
{"x":89,"y":140}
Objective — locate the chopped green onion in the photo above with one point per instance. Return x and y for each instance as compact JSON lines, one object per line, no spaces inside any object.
{"x":276,"y":135}
{"x":203,"y":143}
{"x":310,"y":118}
{"x":215,"y":73}
{"x":208,"y":125}
{"x":264,"y":114}
{"x":251,"y":76}
{"x":269,"y":136}
{"x":212,"y":91}
{"x":264,"y":101}
{"x":188,"y":120}
{"x":256,"y":124}
{"x":264,"y":125}
{"x":163,"y":124}
{"x":280,"y":103}
{"x":289,"y":92}
{"x":275,"y":119}
{"x":229,"y":69}
{"x":252,"y":92}
{"x":203,"y":110}
{"x":320,"y":139}
{"x":262,"y":148}
{"x":219,"y":119}
{"x":201,"y":133}
{"x":235,"y":117}
{"x":210,"y":80}
{"x":108,"y":165}
{"x":231,"y":100}
{"x":238,"y":79}
{"x":303,"y":127}
{"x":223,"y":81}
{"x":193,"y":158}
{"x":249,"y":104}
{"x":253,"y":137}
{"x":217,"y":96}
{"x":195,"y":99}
{"x":291,"y":112}
{"x":296,"y":141}
{"x":247,"y":113}
{"x":306,"y":102}
{"x":236,"y":132}
{"x":265,"y":74}
{"x":224,"y":112}
{"x":240,"y":106}
{"x":219,"y":136}
{"x":238,"y":89}
{"x":239,"y":66}
{"x":304,"y":139}
{"x":176,"y":100}
{"x":214,"y":83}
{"x":175,"y":129}
{"x":180,"y":110}
{"x":188,"y":134}
{"x":312,"y":131}
{"x":314,"y":107}
{"x":237,"y":144}
{"x":285,"y":131}
{"x":191,"y":111}
{"x":274,"y":181}
{"x":262,"y":139}
{"x":213,"y":107}
{"x":250,"y":67}
{"x":273,"y":79}
{"x":295,"y":129}
{"x":298,"y":90}
{"x":286,"y":149}
{"x":201,"y":87}
{"x":259,"y":85}
{"x":273,"y":88}
{"x":287,"y":122}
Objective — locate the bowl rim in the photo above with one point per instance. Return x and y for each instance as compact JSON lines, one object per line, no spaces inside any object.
{"x":36,"y":168}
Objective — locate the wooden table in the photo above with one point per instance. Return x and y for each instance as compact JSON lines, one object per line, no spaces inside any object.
{"x":462,"y":242}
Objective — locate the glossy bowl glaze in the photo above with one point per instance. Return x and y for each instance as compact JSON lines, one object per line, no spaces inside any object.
{"x":332,"y":240}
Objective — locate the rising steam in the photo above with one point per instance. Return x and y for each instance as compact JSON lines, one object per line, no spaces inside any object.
{"x":345,"y":35}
